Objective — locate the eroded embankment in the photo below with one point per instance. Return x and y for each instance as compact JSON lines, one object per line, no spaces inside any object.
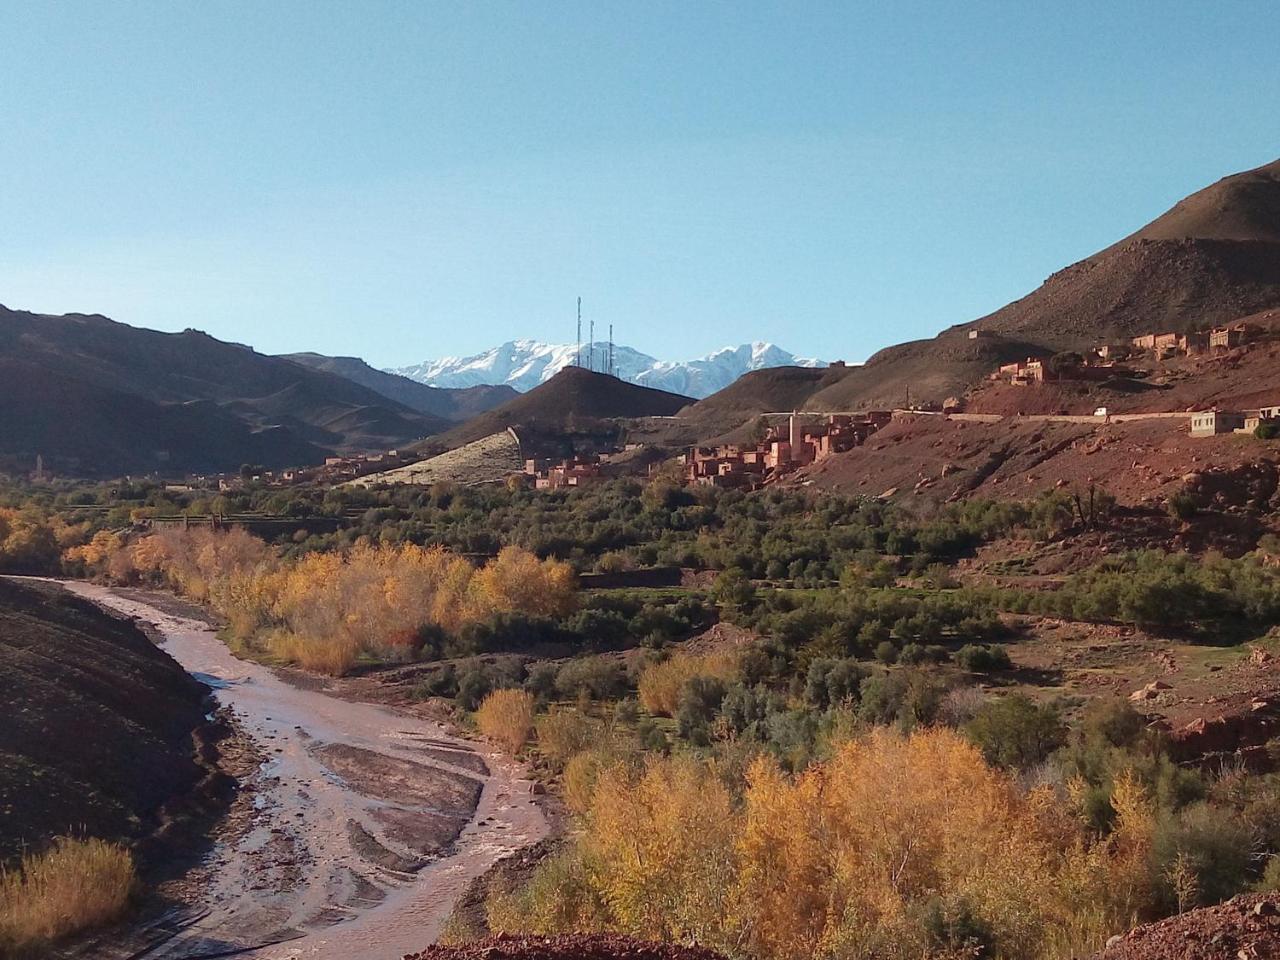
{"x":366,"y":824}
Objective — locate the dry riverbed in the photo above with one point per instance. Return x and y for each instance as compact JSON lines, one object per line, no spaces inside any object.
{"x":362,"y":825}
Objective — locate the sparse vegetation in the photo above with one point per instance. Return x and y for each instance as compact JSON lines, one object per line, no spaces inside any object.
{"x":72,"y":886}
{"x":506,"y":717}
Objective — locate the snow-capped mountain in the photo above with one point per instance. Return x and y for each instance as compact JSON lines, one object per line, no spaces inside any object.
{"x":523,"y":364}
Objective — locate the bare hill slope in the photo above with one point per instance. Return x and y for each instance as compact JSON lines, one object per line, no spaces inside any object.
{"x":1212,"y":258}
{"x":98,"y":397}
{"x":98,"y":721}
{"x":575,"y":402}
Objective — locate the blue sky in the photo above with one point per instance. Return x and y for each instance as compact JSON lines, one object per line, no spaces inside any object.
{"x":406,"y":180}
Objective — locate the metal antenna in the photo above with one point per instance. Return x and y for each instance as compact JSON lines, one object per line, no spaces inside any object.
{"x":611,"y":373}
{"x":578,"y":357}
{"x":591,"y":349}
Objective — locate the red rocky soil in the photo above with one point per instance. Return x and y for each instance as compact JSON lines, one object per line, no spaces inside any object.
{"x":570,"y":947}
{"x":1244,"y":928}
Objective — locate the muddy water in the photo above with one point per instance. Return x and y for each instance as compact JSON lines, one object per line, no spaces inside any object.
{"x":350,"y":851}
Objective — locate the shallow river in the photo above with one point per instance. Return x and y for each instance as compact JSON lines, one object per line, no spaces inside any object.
{"x":350,"y":851}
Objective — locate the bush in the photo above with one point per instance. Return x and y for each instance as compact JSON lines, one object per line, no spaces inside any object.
{"x":74,"y":885}
{"x":506,"y":716}
{"x":1218,"y":851}
{"x":908,"y":697}
{"x":473,"y":686}
{"x":438,"y":683}
{"x":830,"y":682}
{"x":978,"y":658}
{"x":699,"y":701}
{"x":662,"y":683}
{"x":600,"y":678}
{"x":733,"y":589}
{"x":562,"y":733}
{"x":1182,"y":506}
{"x":1015,"y":732}
{"x":1267,"y":430}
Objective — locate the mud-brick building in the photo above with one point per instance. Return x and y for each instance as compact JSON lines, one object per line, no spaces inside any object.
{"x":1209,"y":423}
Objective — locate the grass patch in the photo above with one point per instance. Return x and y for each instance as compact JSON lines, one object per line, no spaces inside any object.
{"x":72,"y":886}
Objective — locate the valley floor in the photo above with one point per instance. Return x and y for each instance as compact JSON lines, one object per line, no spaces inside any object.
{"x":364,"y":824}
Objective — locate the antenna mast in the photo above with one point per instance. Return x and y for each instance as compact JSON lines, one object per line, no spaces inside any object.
{"x":611,"y":373}
{"x":591,"y":348}
{"x":578,"y":357}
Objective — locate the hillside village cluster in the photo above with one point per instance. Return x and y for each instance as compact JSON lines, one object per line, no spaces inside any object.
{"x":782,"y":451}
{"x":807,"y":438}
{"x":1104,"y":362}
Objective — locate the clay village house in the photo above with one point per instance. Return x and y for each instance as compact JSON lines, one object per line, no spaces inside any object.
{"x":1210,"y":423}
{"x":1063,"y":367}
{"x":783,"y":450}
{"x":1165,"y":345}
{"x":577,"y":472}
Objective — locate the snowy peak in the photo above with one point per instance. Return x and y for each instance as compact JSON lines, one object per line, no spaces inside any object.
{"x":523,"y":364}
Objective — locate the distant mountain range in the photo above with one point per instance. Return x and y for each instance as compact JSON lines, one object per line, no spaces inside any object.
{"x":524,"y":364}
{"x":93,"y":397}
{"x":457,"y":405}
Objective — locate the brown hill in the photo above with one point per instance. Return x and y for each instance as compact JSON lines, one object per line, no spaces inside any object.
{"x":98,"y":722}
{"x":97,"y":397}
{"x":1239,"y":379}
{"x":573,"y":409}
{"x":87,"y":430}
{"x":1213,"y":257}
{"x":458,"y":404}
{"x":773,"y":390}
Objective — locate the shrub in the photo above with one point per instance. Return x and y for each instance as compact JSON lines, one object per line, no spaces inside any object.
{"x":1216,"y":850}
{"x":1267,"y":430}
{"x":979,"y":658}
{"x":1015,"y":732}
{"x":506,"y":716}
{"x":563,"y":733}
{"x":699,"y":701}
{"x":601,"y":678}
{"x":438,"y":683}
{"x":830,"y":682}
{"x":333,"y":655}
{"x":961,"y":705}
{"x":733,"y":589}
{"x":74,"y":885}
{"x":887,"y":652}
{"x":908,"y":697}
{"x":557,"y":897}
{"x":662,"y":683}
{"x":1182,"y":506}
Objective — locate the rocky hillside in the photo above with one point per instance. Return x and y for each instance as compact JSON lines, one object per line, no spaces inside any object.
{"x":1244,"y":928}
{"x":96,"y":397}
{"x":1212,"y":258}
{"x":98,"y":722}
{"x":575,"y":403}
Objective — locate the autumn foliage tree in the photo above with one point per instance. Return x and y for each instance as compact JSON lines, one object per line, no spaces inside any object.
{"x":896,"y":847}
{"x":324,"y":610}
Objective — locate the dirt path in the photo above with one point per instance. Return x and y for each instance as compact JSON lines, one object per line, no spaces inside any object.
{"x":368,"y":824}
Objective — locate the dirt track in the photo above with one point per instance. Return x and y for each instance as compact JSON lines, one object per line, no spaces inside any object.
{"x":363,"y":832}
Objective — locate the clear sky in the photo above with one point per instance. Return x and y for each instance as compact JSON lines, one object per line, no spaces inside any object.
{"x":407,"y":180}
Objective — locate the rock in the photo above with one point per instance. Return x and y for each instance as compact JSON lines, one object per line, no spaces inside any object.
{"x":1265,"y":908}
{"x":1113,"y":940}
